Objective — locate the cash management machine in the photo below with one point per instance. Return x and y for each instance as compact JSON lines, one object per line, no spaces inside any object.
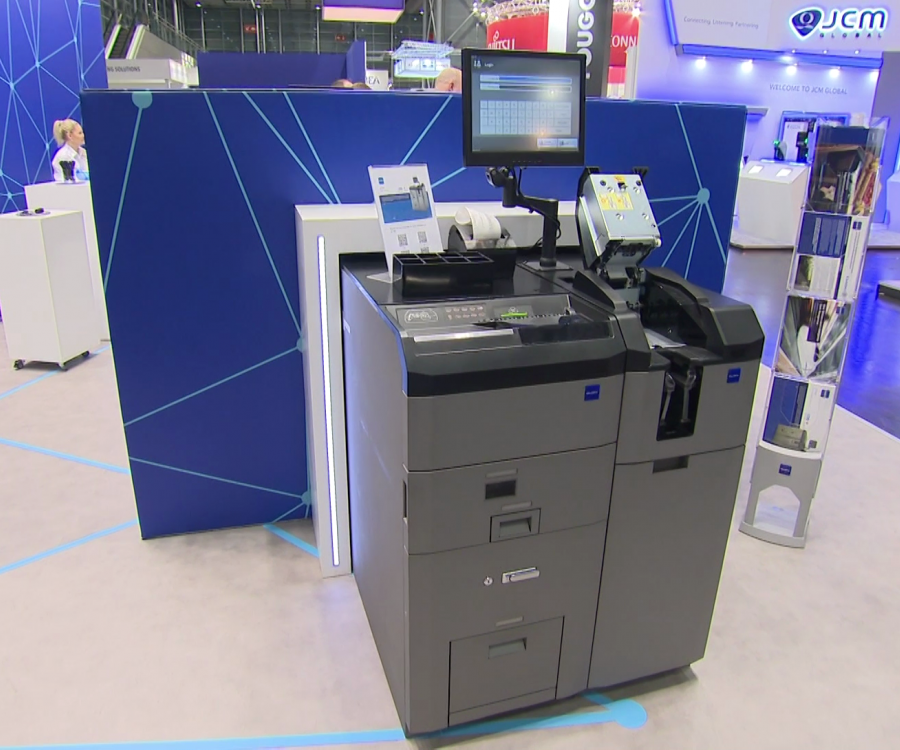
{"x":543,"y":461}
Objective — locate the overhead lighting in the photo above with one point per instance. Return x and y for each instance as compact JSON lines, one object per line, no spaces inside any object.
{"x":747,"y":66}
{"x":700,"y":62}
{"x":793,"y":52}
{"x":856,"y":52}
{"x":787,"y":59}
{"x":635,"y":12}
{"x":834,"y":72}
{"x":792,"y":70}
{"x":824,"y":51}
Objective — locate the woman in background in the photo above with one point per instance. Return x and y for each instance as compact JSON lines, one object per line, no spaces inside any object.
{"x":70,"y":138}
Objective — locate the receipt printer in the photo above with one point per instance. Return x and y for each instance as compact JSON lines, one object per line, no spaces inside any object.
{"x":474,"y":230}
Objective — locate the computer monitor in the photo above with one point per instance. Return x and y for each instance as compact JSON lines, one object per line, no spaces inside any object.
{"x":522,"y":108}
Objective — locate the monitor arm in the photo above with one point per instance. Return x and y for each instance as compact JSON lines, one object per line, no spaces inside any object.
{"x":506,"y":178}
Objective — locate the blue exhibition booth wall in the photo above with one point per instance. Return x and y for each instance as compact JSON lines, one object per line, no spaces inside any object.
{"x":48,"y":53}
{"x":193,"y":198}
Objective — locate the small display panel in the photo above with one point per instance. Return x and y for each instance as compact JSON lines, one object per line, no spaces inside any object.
{"x":522,"y":108}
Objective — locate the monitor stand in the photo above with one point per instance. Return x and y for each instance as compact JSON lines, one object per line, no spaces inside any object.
{"x":546,"y":207}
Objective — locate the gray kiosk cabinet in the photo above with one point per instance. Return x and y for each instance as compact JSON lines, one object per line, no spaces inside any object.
{"x":481,"y":447}
{"x":693,"y":359}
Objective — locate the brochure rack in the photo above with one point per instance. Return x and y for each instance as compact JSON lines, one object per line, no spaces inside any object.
{"x":822,"y":289}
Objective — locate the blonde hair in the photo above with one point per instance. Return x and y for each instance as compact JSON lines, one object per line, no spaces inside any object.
{"x":62,"y":129}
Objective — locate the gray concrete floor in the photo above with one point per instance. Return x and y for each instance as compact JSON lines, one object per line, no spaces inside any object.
{"x":233,"y":634}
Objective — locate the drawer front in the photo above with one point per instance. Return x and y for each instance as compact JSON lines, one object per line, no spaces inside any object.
{"x":464,"y":429}
{"x":495,"y":502}
{"x":497,"y":666}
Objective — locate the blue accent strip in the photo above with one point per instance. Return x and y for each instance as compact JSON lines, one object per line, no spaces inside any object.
{"x":30,"y":383}
{"x":291,"y":539}
{"x":679,"y":211}
{"x":46,"y":375}
{"x":687,"y":142}
{"x":425,"y":131}
{"x":288,"y":148}
{"x":627,"y":713}
{"x":670,"y":22}
{"x":737,"y":53}
{"x":210,"y":387}
{"x":695,"y":212}
{"x":311,"y":147}
{"x":240,"y":183}
{"x":66,"y":546}
{"x":64,"y":456}
{"x":115,"y":235}
{"x":213,"y":478}
{"x":448,"y":176}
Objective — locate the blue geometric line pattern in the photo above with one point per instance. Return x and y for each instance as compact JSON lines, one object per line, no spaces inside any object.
{"x":64,"y":456}
{"x":202,"y":475}
{"x":446,"y":177}
{"x":312,"y":147}
{"x":696,"y":211}
{"x":291,"y":539}
{"x":679,"y":211}
{"x":210,"y":387}
{"x":42,"y":68}
{"x":262,"y":239}
{"x":687,"y":142}
{"x":115,"y":236}
{"x":425,"y":130}
{"x":693,"y":244}
{"x":198,"y":276}
{"x":284,"y":143}
{"x":67,"y":546}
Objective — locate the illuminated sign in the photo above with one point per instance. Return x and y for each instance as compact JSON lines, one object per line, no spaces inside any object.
{"x":848,"y":22}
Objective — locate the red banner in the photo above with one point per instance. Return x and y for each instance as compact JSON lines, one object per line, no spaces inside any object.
{"x":625,"y":28}
{"x":524,"y":32}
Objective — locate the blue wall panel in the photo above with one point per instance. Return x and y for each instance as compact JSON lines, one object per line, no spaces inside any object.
{"x":197,"y":239}
{"x":49,"y":51}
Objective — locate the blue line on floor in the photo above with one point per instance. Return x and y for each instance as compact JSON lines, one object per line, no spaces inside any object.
{"x":39,"y":378}
{"x":67,"y":546}
{"x":64,"y":456}
{"x":291,"y":539}
{"x":627,"y":713}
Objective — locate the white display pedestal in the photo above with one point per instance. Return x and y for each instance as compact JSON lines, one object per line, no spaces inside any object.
{"x":75,"y":196}
{"x":45,"y":288}
{"x":892,"y":202}
{"x":771,"y":196}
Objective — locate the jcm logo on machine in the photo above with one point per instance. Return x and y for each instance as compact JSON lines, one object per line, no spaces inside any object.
{"x":847,"y":22}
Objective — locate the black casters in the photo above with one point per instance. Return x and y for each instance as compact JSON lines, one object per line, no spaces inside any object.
{"x":18,"y":364}
{"x":85,"y":355}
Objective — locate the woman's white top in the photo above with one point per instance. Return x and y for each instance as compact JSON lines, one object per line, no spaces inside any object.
{"x":67,"y":153}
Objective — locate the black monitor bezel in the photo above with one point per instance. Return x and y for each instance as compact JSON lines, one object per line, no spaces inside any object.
{"x":512,"y":158}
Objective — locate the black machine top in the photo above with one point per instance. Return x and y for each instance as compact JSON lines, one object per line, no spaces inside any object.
{"x":516,"y":332}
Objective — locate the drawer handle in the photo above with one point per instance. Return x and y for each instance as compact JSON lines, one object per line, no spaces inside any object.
{"x":503,"y":488}
{"x":670,"y":464}
{"x":525,"y":574}
{"x":505,"y":649}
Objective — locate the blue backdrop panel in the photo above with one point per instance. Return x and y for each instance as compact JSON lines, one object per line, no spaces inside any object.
{"x":234,"y":70}
{"x":198,"y":248}
{"x":48,"y":52}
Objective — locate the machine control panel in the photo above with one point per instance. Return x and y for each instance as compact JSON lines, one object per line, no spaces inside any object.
{"x":527,"y":311}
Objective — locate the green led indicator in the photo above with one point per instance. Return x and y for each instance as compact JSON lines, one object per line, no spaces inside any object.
{"x":513,"y":315}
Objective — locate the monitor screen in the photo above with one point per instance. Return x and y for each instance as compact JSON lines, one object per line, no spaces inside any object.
{"x":522,"y":108}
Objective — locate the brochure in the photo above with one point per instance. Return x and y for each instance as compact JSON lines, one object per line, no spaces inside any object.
{"x":799,"y":415}
{"x":829,"y":257}
{"x":405,"y":206}
{"x":813,"y":338}
{"x":844,"y":174}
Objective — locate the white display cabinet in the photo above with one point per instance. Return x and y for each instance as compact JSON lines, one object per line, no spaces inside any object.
{"x":46,"y":294}
{"x":75,"y":196}
{"x":771,"y":197}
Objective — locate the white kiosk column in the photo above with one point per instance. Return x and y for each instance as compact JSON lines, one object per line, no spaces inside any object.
{"x":822,"y":289}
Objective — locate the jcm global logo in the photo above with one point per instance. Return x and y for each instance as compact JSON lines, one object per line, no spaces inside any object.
{"x":848,"y":22}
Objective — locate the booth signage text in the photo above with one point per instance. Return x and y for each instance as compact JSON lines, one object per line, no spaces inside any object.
{"x":846,"y":21}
